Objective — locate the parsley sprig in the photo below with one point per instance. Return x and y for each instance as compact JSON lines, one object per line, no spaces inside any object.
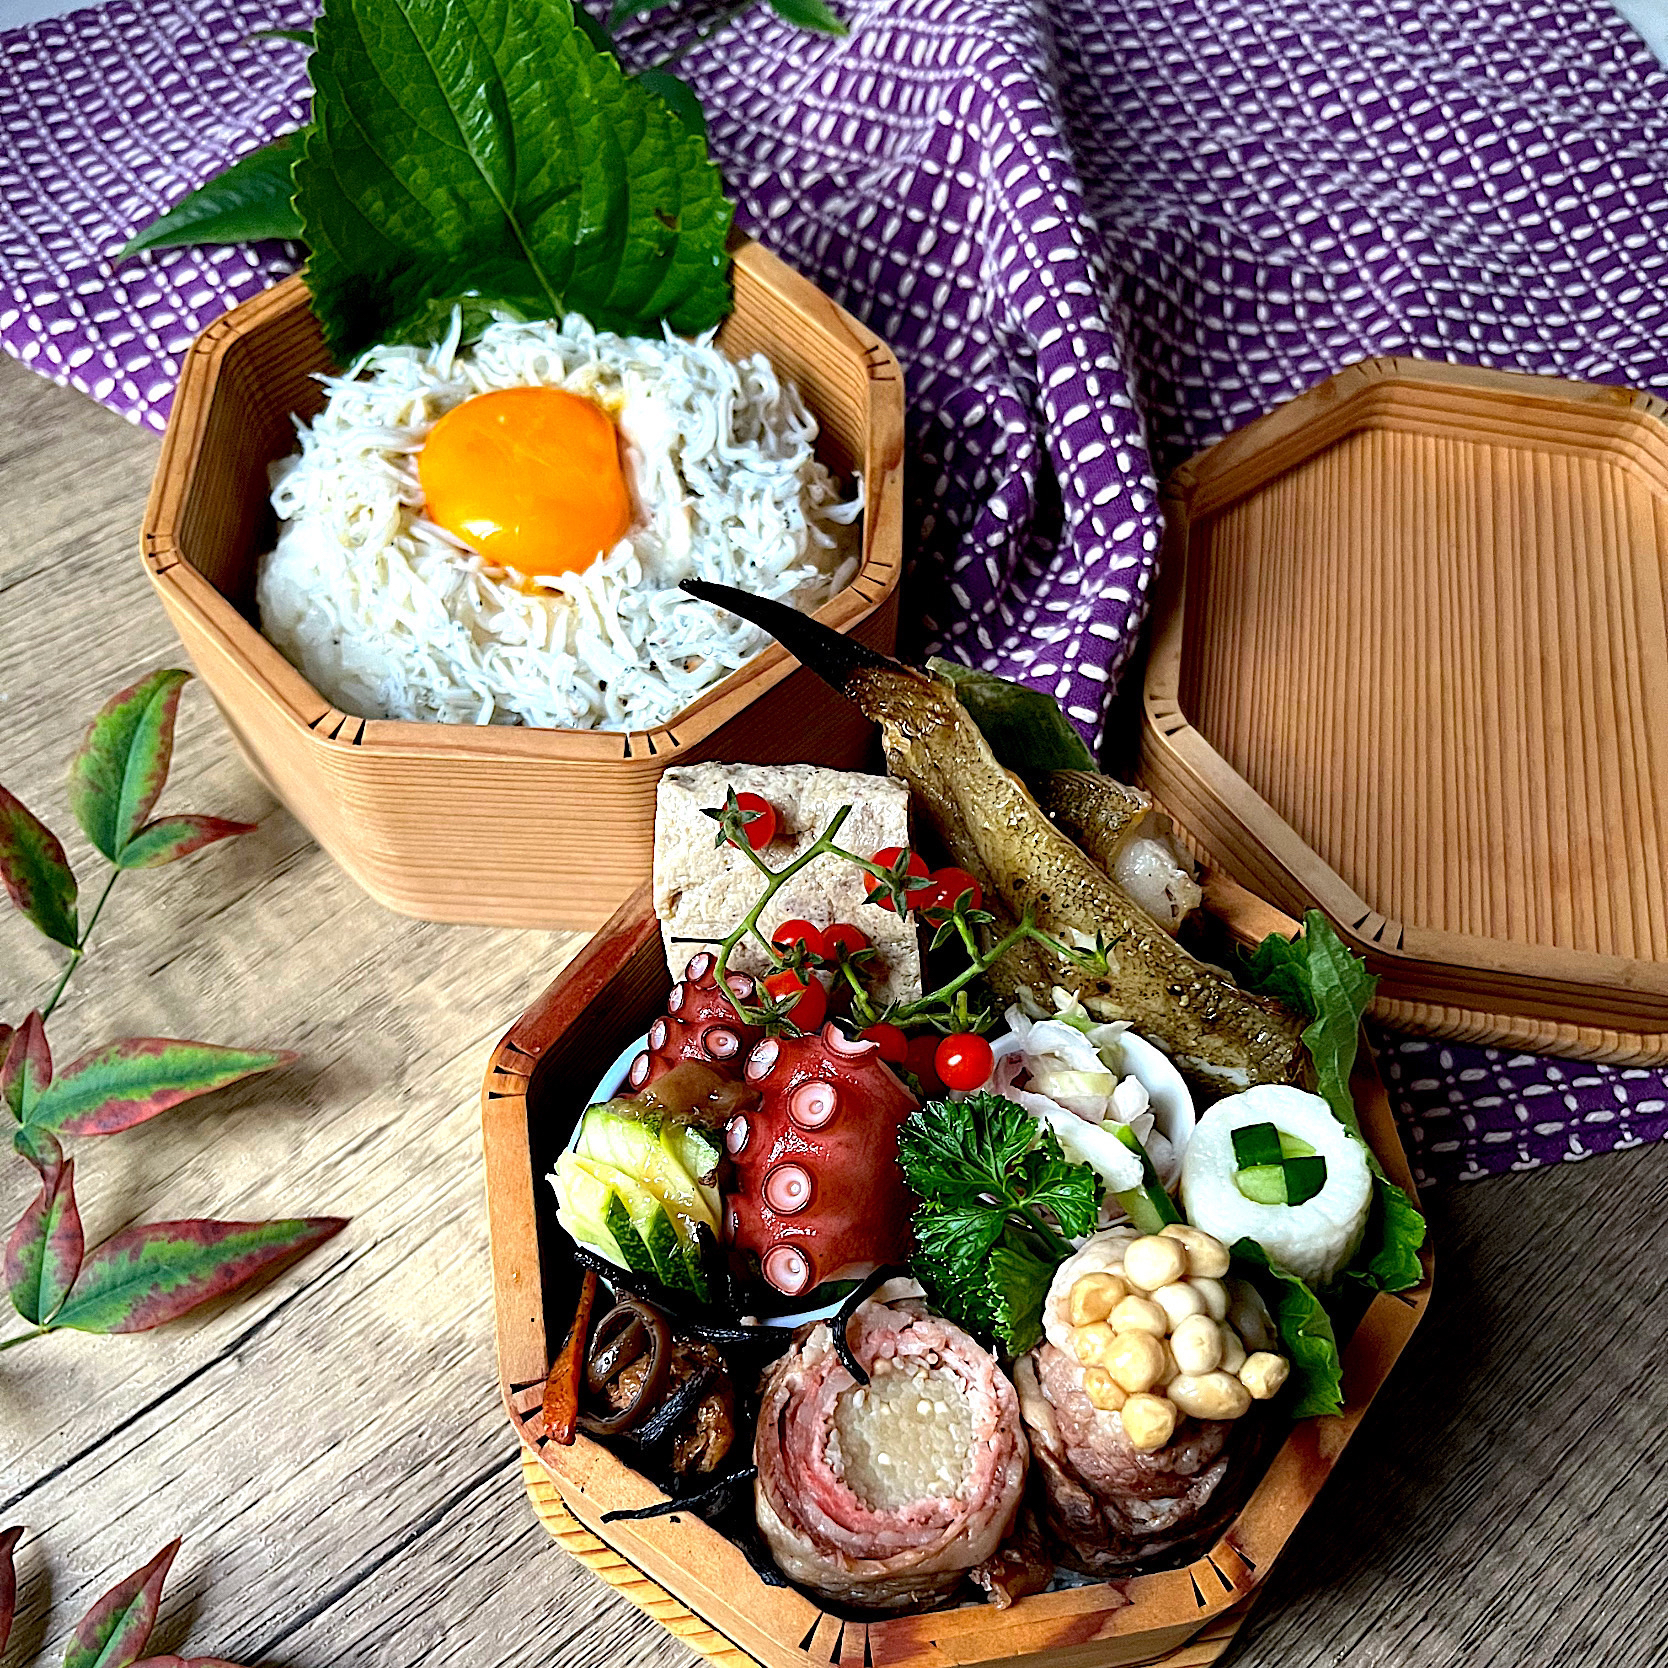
{"x":998,"y":1198}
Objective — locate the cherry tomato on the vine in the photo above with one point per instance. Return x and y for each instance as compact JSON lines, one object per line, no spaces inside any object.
{"x":843,"y":935}
{"x":946,"y":886}
{"x":811,"y":1008}
{"x":886,"y":857}
{"x":919,"y":1058}
{"x":807,"y":933}
{"x":964,"y":1061}
{"x":761,"y":829}
{"x":893,"y":1044}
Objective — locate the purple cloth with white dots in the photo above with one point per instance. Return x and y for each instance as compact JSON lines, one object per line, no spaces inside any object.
{"x":1099,"y":234}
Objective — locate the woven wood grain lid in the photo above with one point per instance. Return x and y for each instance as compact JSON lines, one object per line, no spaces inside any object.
{"x":1410,"y":663}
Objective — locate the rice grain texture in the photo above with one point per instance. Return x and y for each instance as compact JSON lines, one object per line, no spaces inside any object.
{"x":389,"y":616}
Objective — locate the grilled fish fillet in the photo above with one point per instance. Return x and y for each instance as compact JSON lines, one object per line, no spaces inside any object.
{"x":992,"y":827}
{"x":1128,"y":837}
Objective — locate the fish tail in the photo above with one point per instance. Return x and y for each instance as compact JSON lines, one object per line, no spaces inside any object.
{"x":836,"y":659}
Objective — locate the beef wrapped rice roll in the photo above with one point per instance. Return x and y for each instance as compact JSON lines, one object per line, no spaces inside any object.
{"x":1141,"y":1403}
{"x":884,"y":1496}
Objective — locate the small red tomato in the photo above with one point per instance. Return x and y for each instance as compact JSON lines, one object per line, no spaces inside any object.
{"x":894,"y":1045}
{"x":947,"y":885}
{"x":919,"y":1058}
{"x":964,"y":1061}
{"x":843,"y":935}
{"x":811,"y":1008}
{"x":807,"y":933}
{"x":886,"y":857}
{"x":761,"y":829}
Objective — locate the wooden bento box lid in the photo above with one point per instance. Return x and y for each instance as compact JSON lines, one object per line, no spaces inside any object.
{"x":536,"y":1086}
{"x":1410,"y":662}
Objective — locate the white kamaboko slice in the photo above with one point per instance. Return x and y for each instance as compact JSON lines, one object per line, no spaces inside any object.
{"x":1313,"y":1240}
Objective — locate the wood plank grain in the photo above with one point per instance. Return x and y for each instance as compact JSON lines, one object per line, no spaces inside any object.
{"x":333,"y":1449}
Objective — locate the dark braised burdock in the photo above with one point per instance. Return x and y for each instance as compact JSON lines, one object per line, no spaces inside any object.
{"x":644,"y":1382}
{"x":1020,"y":1566}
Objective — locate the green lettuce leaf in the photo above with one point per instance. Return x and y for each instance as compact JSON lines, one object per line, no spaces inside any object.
{"x":1026,"y":729}
{"x":487,"y":147}
{"x":253,"y":199}
{"x":1388,"y":1258}
{"x":1306,"y":1335}
{"x":1317,"y":975}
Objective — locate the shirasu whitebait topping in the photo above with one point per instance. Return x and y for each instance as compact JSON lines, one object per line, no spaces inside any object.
{"x":389,"y":616}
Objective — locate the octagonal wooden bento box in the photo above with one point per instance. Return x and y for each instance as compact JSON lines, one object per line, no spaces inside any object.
{"x":566,"y":816}
{"x":538,"y":1084}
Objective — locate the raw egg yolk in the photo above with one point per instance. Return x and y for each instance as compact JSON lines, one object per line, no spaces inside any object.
{"x":530,"y":478}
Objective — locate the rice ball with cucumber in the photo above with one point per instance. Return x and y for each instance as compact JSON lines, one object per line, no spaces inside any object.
{"x":1274,"y":1165}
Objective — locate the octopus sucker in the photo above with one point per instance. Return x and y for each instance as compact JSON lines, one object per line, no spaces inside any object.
{"x":818,"y":1194}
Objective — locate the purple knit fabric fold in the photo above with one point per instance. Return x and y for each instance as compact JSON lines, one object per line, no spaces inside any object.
{"x":1098,"y":235}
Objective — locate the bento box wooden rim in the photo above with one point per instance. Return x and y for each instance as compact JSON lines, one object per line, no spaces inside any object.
{"x":780,"y":1626}
{"x":1611,"y":1000}
{"x":305,"y":709}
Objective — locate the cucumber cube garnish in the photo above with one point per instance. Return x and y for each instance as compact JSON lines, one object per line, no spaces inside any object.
{"x":1256,"y":1145}
{"x":1305,"y":1177}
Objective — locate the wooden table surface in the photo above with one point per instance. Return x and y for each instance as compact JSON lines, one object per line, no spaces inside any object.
{"x":333,"y":1450}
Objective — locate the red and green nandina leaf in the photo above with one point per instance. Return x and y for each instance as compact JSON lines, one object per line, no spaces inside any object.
{"x":170,"y":838}
{"x":39,"y":1147}
{"x":124,"y":1083}
{"x":43,"y":1255}
{"x":113,"y":1633}
{"x":37,"y":875}
{"x":8,"y":1583}
{"x":26,"y":1071}
{"x":152,"y":1274}
{"x":185,"y":1662}
{"x":120,"y":767}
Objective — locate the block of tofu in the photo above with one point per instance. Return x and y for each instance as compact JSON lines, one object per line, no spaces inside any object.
{"x":701,"y":890}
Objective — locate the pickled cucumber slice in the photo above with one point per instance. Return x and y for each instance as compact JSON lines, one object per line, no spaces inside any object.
{"x":631,"y":1147}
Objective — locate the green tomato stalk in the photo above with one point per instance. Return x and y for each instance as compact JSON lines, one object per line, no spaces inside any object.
{"x":945,"y":1009}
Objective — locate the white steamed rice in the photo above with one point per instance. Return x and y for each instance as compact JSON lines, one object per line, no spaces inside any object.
{"x":388,"y":616}
{"x":1313,"y":1240}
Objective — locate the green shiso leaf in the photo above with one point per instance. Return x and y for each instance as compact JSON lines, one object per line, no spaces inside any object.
{"x":809,"y":14}
{"x":679,"y":95}
{"x":624,"y":10}
{"x":1306,"y":1335}
{"x":1026,"y":729}
{"x":1018,"y":1281}
{"x":252,"y":200}
{"x":1315,"y":974}
{"x":487,"y":147}
{"x":993,"y":1184}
